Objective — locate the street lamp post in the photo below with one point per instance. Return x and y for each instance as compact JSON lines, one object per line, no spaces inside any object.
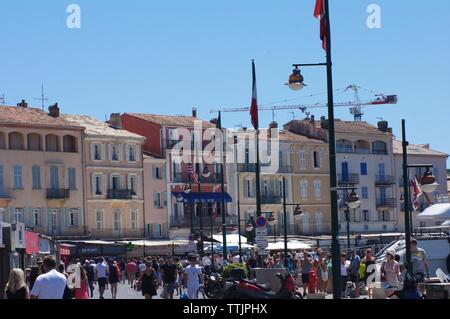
{"x":332,"y":147}
{"x":428,"y":185}
{"x":235,"y":140}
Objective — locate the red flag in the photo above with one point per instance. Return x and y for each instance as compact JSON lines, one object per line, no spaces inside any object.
{"x":417,"y":194}
{"x":319,"y":13}
{"x":254,"y":106}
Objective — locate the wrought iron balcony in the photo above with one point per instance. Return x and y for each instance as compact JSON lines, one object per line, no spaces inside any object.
{"x":247,"y":168}
{"x":271,"y":199}
{"x":120,"y":194}
{"x":348,"y":179}
{"x":58,"y":193}
{"x":386,"y":202}
{"x":384,"y":180}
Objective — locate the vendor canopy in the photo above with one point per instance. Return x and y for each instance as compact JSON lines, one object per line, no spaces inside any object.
{"x":231,"y":238}
{"x":293,"y":245}
{"x":436,"y":212}
{"x":195,"y":197}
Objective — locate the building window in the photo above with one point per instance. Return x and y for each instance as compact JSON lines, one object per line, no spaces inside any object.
{"x":99,"y":219}
{"x":73,"y":217}
{"x":114,"y":153}
{"x":317,"y":192}
{"x":304,"y":189}
{"x":72,"y":178}
{"x":97,"y":152}
{"x":302,"y":160}
{"x":379,"y":147}
{"x":35,"y":217}
{"x":319,"y":222}
{"x":164,"y":196}
{"x":384,"y":216}
{"x":54,"y":179}
{"x":364,"y":192}
{"x":134,"y":221}
{"x":18,"y":177}
{"x":156,"y":172}
{"x":316,"y":159}
{"x":98,"y":185}
{"x":156,"y":200}
{"x":265,"y":188}
{"x":18,"y":215}
{"x":2,"y":185}
{"x":132,"y":153}
{"x":364,"y":169}
{"x":248,"y":188}
{"x":366,"y":216}
{"x":116,"y":219}
{"x":36,"y":175}
{"x":132,"y":185}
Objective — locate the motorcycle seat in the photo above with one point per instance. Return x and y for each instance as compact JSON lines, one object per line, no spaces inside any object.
{"x":262,"y":286}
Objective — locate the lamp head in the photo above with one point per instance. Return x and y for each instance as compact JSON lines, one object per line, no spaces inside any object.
{"x":296,"y":79}
{"x":353,"y":200}
{"x":428,"y":182}
{"x":271,"y":220}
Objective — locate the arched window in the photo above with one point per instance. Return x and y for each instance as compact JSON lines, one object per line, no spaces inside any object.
{"x":379,"y":147}
{"x":52,"y":143}
{"x":344,"y":146}
{"x":16,"y":141}
{"x":70,"y":144}
{"x":2,"y":141}
{"x":34,"y":142}
{"x":362,"y":147}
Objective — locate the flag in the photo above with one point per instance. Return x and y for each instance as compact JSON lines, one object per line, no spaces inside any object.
{"x":319,"y":13}
{"x":254,"y":106}
{"x":192,"y":173}
{"x":417,"y":192}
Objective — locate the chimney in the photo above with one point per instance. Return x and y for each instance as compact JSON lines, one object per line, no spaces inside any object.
{"x":115,"y":121}
{"x":324,"y":123}
{"x":383,"y":126}
{"x":53,"y":110}
{"x":194,"y":112}
{"x":273,"y":126}
{"x":214,"y":121}
{"x":22,"y":104}
{"x":312,"y":119}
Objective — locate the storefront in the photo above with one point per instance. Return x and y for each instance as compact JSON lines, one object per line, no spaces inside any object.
{"x":96,"y":248}
{"x":31,"y":248}
{"x":66,"y":252}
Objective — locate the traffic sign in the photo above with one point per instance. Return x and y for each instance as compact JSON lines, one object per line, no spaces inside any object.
{"x":261,"y":231}
{"x":262,"y":252}
{"x":263,"y":243}
{"x":261,"y":221}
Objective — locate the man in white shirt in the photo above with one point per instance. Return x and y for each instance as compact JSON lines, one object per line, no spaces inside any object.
{"x":101,"y":275}
{"x":50,"y":285}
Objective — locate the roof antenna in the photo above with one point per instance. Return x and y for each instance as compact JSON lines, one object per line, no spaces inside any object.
{"x":43,"y":98}
{"x":2,"y":99}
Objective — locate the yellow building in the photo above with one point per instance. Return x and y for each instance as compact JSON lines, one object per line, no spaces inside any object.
{"x":113,"y":169}
{"x":303,"y":162}
{"x":41,"y":176}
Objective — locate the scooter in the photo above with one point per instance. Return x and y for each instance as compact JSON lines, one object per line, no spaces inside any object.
{"x":247,"y":289}
{"x":213,"y":285}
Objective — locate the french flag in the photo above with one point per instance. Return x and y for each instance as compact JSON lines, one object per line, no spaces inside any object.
{"x":254,"y":106}
{"x":319,"y":13}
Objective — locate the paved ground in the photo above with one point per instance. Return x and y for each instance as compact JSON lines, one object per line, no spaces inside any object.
{"x":126,"y":292}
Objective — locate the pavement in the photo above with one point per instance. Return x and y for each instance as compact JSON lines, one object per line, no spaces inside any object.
{"x":124,"y":291}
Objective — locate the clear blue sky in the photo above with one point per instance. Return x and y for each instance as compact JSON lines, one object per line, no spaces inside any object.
{"x":167,"y":56}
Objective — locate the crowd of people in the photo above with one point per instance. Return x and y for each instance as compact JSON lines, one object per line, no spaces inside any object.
{"x":183,"y":276}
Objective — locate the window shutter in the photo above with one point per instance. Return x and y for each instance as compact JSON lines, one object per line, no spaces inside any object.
{"x":92,"y":151}
{"x":253,"y":189}
{"x":321,"y":164}
{"x":165,"y":231}
{"x":153,"y":171}
{"x":155,"y":230}
{"x":110,"y":152}
{"x":102,"y":152}
{"x":104,"y":181}
{"x":155,"y":199}
{"x":163,"y":172}
{"x":138,"y":186}
{"x":164,"y":195}
{"x":93,"y":184}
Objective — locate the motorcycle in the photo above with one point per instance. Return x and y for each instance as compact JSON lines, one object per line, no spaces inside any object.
{"x":248,"y":289}
{"x":213,"y":286}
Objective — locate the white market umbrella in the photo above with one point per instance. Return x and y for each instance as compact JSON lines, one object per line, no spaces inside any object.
{"x":436,"y":212}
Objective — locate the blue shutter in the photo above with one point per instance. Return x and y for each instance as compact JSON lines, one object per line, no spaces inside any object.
{"x":72,"y":178}
{"x":165,"y":231}
{"x":344,"y":167}
{"x":54,"y":177}
{"x":363,"y":168}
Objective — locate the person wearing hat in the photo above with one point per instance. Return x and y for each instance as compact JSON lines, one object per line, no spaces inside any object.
{"x":390,"y":270}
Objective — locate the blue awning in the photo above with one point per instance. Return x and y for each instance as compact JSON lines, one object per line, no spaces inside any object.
{"x":214,"y":197}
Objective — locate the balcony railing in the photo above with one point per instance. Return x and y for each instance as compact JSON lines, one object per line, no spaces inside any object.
{"x":58,"y":231}
{"x":344,"y":149}
{"x":119,"y":194}
{"x":185,"y":222}
{"x":362,"y":150}
{"x":380,"y":152}
{"x":5,"y":193}
{"x":271,"y":199}
{"x":384,"y":180}
{"x":348,"y":179}
{"x":386,"y":202}
{"x":58,"y":193}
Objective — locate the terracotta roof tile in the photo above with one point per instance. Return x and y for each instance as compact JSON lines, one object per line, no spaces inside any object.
{"x":415,"y":149}
{"x":172,"y":120}
{"x":32,"y":116}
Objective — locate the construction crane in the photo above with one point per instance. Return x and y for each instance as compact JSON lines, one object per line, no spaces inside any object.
{"x":357,"y":106}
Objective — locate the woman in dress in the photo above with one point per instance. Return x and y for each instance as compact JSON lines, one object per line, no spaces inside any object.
{"x":114,"y":275}
{"x":16,"y":288}
{"x":82,"y":292}
{"x":148,"y":281}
